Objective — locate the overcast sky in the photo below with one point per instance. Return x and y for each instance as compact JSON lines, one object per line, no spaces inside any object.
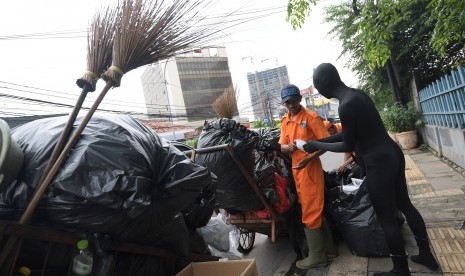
{"x":52,"y":64}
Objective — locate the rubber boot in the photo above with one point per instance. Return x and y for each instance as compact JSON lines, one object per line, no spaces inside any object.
{"x":316,"y":250}
{"x":330,"y":247}
{"x":425,"y":256}
{"x":400,"y":267}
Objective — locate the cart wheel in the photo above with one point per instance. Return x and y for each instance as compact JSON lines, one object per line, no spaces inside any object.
{"x":246,"y":241}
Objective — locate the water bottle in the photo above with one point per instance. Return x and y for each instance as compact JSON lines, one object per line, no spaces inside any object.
{"x":82,"y":261}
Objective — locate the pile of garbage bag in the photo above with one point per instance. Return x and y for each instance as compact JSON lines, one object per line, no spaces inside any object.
{"x":120,"y":180}
{"x":348,"y":207}
{"x":233,"y":192}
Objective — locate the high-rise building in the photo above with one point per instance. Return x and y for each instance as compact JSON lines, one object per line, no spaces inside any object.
{"x":184,"y":87}
{"x":265,"y":91}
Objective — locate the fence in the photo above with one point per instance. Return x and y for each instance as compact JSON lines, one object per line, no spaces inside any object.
{"x":443,"y":101}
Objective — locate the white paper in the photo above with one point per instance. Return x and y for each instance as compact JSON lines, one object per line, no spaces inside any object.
{"x":300,"y":144}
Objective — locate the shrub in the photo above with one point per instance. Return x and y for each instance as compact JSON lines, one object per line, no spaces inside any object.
{"x":192,"y":142}
{"x":399,"y":118}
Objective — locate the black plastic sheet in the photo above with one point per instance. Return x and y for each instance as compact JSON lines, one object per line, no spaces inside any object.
{"x":233,"y":192}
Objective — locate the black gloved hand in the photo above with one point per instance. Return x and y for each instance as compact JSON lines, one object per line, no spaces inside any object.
{"x":309,"y":147}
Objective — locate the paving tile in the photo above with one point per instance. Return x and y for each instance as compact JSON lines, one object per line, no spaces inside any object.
{"x":349,"y":265}
{"x":449,"y":246}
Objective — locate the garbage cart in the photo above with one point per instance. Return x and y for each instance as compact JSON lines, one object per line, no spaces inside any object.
{"x":247,"y":222}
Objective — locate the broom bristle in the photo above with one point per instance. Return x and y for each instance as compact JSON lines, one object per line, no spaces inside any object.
{"x":226,"y":105}
{"x":149,"y":31}
{"x":99,"y":47}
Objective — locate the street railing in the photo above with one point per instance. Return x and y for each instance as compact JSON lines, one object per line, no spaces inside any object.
{"x":443,"y":101}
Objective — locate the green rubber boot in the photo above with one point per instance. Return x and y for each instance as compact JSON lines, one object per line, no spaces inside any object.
{"x":331,"y":248}
{"x":316,"y":250}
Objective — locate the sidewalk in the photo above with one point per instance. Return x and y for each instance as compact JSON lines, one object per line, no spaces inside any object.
{"x":438,"y":193}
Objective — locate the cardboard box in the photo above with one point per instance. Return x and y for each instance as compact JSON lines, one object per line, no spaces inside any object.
{"x":246,"y":267}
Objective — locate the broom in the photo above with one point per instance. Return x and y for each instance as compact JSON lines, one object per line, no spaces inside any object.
{"x":226,"y":104}
{"x":99,"y":46}
{"x":145,"y":32}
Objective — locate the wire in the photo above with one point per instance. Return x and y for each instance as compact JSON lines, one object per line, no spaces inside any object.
{"x":257,"y":14}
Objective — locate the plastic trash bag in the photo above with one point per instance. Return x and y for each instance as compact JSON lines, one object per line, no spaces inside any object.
{"x":354,"y":217}
{"x":120,"y":179}
{"x":216,"y":233}
{"x":268,"y":139}
{"x":353,"y":187}
{"x":233,"y":192}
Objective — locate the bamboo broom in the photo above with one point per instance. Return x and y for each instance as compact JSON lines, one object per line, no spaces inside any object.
{"x":99,"y":46}
{"x":145,"y":32}
{"x":226,"y":104}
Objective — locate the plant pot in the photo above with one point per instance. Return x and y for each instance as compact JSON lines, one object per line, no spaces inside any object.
{"x":408,"y":139}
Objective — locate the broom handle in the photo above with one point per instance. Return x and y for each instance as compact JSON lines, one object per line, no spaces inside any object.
{"x":26,"y":216}
{"x":65,"y":133}
{"x":63,"y":137}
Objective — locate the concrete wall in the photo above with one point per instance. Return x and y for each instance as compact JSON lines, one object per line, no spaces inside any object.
{"x":448,"y":142}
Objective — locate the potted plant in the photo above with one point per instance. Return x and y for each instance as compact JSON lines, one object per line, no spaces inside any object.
{"x":403,"y":121}
{"x":387,"y":116}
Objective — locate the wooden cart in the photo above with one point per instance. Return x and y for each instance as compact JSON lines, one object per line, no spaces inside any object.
{"x":247,"y":223}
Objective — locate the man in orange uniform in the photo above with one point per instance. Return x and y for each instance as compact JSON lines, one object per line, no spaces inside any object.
{"x":303,"y":124}
{"x":330,"y":127}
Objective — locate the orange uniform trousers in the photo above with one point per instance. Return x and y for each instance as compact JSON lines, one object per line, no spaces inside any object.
{"x":309,"y":181}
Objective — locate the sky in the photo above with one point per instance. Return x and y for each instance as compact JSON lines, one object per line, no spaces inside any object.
{"x":47,"y":67}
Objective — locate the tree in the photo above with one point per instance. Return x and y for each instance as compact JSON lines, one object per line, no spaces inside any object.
{"x":421,"y":38}
{"x":450,"y":21}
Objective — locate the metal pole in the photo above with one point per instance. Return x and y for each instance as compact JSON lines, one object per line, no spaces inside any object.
{"x":168,"y":98}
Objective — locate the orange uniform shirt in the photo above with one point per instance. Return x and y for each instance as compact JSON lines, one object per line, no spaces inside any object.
{"x":307,"y":125}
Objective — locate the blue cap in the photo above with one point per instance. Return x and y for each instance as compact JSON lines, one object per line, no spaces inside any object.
{"x":290,"y":92}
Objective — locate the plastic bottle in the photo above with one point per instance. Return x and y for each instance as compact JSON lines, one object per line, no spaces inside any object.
{"x":23,"y":271}
{"x":82,"y":261}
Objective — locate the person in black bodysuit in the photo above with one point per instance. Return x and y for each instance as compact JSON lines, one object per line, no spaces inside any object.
{"x":383,"y":164}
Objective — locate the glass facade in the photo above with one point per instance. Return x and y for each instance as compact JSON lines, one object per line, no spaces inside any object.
{"x":185,"y":87}
{"x":203,"y":80}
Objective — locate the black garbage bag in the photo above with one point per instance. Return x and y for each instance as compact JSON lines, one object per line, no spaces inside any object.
{"x":199,"y":215}
{"x":233,"y":192}
{"x":264,"y":175}
{"x":120,"y":179}
{"x":354,"y":217}
{"x":332,"y":180}
{"x":268,"y":139}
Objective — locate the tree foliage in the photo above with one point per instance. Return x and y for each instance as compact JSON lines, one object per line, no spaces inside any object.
{"x":450,"y":21}
{"x":298,"y":10}
{"x":422,"y":38}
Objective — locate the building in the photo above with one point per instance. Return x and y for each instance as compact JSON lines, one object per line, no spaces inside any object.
{"x":184,"y":87}
{"x":265,"y":91}
{"x":326,"y":108}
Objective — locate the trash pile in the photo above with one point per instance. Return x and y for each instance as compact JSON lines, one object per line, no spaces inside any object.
{"x":255,"y":150}
{"x":348,"y":208}
{"x":120,"y":182}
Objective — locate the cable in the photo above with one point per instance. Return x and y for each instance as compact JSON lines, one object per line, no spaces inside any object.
{"x":59,"y":34}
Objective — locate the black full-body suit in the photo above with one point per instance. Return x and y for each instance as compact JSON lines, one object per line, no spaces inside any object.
{"x":383,"y":160}
{"x":383,"y":164}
